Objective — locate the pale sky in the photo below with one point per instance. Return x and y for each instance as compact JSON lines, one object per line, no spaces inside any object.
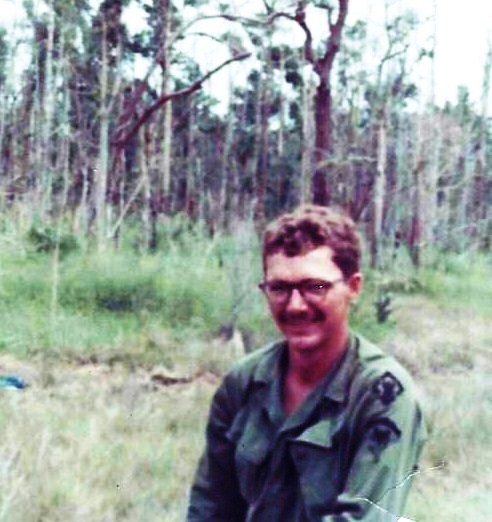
{"x":463,"y":30}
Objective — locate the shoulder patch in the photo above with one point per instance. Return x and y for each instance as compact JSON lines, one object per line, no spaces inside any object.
{"x":387,"y":388}
{"x":381,"y":433}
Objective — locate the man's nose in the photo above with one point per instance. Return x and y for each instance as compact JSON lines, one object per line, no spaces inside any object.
{"x":296,"y":302}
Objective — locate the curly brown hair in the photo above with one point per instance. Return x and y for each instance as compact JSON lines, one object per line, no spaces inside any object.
{"x":312,"y":226}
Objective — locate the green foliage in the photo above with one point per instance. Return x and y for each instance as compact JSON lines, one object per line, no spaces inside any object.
{"x":192,"y":282}
{"x":4,"y":49}
{"x":115,"y":283}
{"x":455,"y":280}
{"x":179,"y":292}
{"x":45,"y":238}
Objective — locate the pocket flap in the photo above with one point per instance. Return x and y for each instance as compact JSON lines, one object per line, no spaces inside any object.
{"x":321,"y":434}
{"x":251,"y":435}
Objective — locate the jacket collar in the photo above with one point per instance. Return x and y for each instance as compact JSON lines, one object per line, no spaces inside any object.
{"x":336,"y":383}
{"x":270,"y":366}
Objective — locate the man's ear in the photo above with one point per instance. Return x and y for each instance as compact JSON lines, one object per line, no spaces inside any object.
{"x":355,"y":283}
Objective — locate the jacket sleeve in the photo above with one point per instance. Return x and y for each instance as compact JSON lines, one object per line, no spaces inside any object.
{"x":215,"y":492}
{"x":387,"y":444}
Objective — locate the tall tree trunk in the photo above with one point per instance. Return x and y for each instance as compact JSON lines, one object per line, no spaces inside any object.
{"x":463,"y":228}
{"x":35,"y":168}
{"x":147,"y":218}
{"x":101,"y":172}
{"x":322,"y":67}
{"x":483,"y":181}
{"x":166,"y":122}
{"x":261,"y":146}
{"x":47,"y":111}
{"x":415,"y":239}
{"x":190,"y":189}
{"x":321,"y":187}
{"x":226,"y":167}
{"x":322,"y":143}
{"x":432,"y":173}
{"x":167,"y":140}
{"x":3,"y":159}
{"x":379,"y":191}
{"x":63,"y":157}
{"x":307,"y":140}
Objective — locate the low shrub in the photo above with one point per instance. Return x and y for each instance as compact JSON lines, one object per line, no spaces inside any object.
{"x":117,"y":284}
{"x":45,"y":238}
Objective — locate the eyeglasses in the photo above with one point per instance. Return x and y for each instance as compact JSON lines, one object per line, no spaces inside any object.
{"x":312,"y":290}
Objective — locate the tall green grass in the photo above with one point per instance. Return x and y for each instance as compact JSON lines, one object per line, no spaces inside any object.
{"x":193,"y":283}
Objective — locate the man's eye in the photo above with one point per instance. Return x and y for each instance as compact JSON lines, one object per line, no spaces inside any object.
{"x":316,"y":287}
{"x":278,"y":288}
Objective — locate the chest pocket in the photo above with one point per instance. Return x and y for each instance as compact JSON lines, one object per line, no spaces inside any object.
{"x":253,"y":440}
{"x":319,"y":455}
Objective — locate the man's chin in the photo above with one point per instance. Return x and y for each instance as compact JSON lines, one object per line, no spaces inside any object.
{"x":302,"y":343}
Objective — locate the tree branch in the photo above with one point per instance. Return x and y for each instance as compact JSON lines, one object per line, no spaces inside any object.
{"x":335,"y":38}
{"x":300,"y":19}
{"x":231,"y":18}
{"x":164,"y":98}
{"x":268,"y":7}
{"x":206,"y":35}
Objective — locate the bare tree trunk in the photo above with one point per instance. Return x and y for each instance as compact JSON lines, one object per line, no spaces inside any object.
{"x":101,"y":180}
{"x":431,"y":181}
{"x":3,"y":109}
{"x":81,"y":221}
{"x":322,"y":143}
{"x":107,"y":101}
{"x":144,"y":173}
{"x":261,"y":146}
{"x":64,"y":155}
{"x":190,"y":195}
{"x":47,"y":111}
{"x":307,"y":140}
{"x":200,"y":185}
{"x":165,"y":168}
{"x":166,"y":123}
{"x":417,"y":200}
{"x":482,"y":175}
{"x":83,"y":165}
{"x":432,"y":173}
{"x":463,"y":229}
{"x":379,"y":191}
{"x":225,"y":167}
{"x":281,"y":114}
{"x":35,"y":123}
{"x":321,"y":188}
{"x":322,"y":67}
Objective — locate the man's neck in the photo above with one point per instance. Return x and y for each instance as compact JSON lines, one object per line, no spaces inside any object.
{"x":310,"y":366}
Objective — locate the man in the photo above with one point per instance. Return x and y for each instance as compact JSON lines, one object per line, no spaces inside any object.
{"x":321,"y":426}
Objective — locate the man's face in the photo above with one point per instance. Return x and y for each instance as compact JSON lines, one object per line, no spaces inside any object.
{"x":307,"y":323}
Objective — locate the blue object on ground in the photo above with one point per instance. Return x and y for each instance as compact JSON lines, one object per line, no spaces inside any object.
{"x":12,"y":382}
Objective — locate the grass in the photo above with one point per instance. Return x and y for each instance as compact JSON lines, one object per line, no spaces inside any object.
{"x":118,"y":450}
{"x":95,"y":437}
{"x":196,"y":283}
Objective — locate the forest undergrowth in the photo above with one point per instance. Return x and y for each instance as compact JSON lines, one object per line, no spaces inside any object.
{"x":122,"y":351}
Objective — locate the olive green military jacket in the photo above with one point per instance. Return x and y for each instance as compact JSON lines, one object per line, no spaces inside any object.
{"x":348,"y":452}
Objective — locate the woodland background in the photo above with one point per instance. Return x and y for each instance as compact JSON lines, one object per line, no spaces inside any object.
{"x":131,"y":207}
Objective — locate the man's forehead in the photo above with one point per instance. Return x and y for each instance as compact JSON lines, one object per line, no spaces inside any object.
{"x":315,"y":262}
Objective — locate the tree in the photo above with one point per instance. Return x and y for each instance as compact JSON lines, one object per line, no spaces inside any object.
{"x":322,"y":66}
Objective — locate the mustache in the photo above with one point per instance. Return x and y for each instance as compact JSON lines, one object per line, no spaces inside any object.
{"x":316,"y":316}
